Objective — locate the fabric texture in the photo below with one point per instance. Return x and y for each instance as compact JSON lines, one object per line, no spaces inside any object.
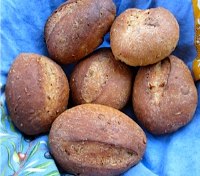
{"x":22,"y":30}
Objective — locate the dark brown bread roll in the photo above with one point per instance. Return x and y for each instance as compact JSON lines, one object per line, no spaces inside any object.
{"x":143,"y":37}
{"x":164,"y":96}
{"x":96,"y":140}
{"x":77,"y":28}
{"x":37,"y":92}
{"x":101,"y":79}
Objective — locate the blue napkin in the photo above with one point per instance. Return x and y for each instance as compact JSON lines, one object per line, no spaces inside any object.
{"x":22,"y":25}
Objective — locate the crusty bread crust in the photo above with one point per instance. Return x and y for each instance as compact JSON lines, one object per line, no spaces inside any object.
{"x":101,"y":79}
{"x":96,"y":140}
{"x":164,"y":96}
{"x":143,"y":37}
{"x":37,"y":91}
{"x":77,"y":28}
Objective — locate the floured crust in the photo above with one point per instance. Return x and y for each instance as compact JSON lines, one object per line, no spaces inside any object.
{"x":77,"y":27}
{"x":37,"y":92}
{"x":94,"y":139}
{"x":101,"y":79}
{"x":143,"y":37}
{"x":164,"y":96}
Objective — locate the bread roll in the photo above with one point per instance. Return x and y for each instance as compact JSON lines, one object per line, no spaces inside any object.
{"x":96,"y":140}
{"x":37,"y":91}
{"x":101,"y":79}
{"x":77,"y":28}
{"x":164,"y":96}
{"x":143,"y":37}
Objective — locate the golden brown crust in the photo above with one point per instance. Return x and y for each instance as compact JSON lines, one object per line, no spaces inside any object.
{"x":77,"y":27}
{"x":101,"y":79}
{"x":164,"y":96}
{"x":143,"y":37}
{"x":37,"y":92}
{"x":93,"y":139}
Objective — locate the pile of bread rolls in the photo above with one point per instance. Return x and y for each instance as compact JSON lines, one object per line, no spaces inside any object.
{"x":94,"y":137}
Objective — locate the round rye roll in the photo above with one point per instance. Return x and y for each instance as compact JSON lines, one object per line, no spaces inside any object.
{"x":143,"y":37}
{"x":37,"y":91}
{"x":100,"y":79}
{"x":164,"y":96}
{"x":96,"y":140}
{"x":77,"y":28}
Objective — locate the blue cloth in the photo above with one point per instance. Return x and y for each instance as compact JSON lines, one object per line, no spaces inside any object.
{"x":22,"y":25}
